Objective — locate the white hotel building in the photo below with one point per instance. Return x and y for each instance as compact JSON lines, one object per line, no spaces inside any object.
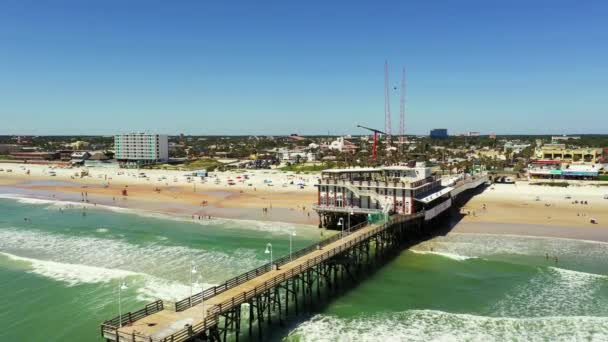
{"x":135,"y":149}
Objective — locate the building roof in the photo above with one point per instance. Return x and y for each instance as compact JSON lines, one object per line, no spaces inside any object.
{"x":428,"y":197}
{"x":80,"y":154}
{"x":356,"y":169}
{"x":99,"y":156}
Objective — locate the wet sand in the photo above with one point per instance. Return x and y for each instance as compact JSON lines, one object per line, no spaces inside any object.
{"x":291,"y":206}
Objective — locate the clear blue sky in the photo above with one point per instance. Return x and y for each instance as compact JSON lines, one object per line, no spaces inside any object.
{"x":308,"y":67}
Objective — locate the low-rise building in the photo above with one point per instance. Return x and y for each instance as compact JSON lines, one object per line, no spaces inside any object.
{"x":515,"y":147}
{"x":561,"y":152}
{"x":343,"y":145}
{"x":9,"y":148}
{"x":555,"y":169}
{"x":35,"y":155}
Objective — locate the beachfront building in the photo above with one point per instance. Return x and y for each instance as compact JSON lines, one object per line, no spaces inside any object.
{"x":35,"y":156}
{"x":136,"y":149}
{"x":555,"y":169}
{"x":560,"y":152}
{"x":359,"y":192}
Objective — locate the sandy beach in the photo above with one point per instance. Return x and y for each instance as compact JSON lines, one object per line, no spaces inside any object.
{"x":521,"y":208}
{"x":540,"y":205}
{"x":286,"y":196}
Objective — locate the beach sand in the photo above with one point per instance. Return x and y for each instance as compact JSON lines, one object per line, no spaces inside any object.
{"x":170,"y":192}
{"x":509,"y":208}
{"x":539,"y":205}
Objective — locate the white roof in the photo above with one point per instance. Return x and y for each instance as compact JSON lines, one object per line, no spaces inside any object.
{"x":79,"y":154}
{"x":356,"y":169}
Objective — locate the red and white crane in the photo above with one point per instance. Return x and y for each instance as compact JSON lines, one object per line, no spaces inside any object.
{"x":375,"y":146}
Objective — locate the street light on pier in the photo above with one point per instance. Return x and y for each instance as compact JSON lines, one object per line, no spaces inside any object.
{"x":192,"y":272}
{"x":269,"y":251}
{"x":341,"y":225}
{"x":121,"y":287}
{"x":291,"y":235}
{"x":199,"y":284}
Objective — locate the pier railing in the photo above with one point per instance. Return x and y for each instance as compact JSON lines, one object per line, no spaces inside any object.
{"x":110,"y":327}
{"x":240,"y":279}
{"x":214,"y":312}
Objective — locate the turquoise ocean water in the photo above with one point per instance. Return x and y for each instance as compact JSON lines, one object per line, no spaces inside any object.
{"x":60,"y":268}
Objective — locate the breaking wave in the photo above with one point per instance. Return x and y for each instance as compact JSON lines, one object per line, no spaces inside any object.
{"x":554,"y":291}
{"x":162,"y":261}
{"x":430,"y":325}
{"x":486,"y":245}
{"x":72,"y":274}
{"x":148,"y":287}
{"x":452,"y":256}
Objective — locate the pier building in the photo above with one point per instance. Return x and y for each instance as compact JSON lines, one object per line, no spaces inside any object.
{"x":350,"y":196}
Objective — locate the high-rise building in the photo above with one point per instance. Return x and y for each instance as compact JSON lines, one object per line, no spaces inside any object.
{"x":439,"y":133}
{"x":141,"y":148}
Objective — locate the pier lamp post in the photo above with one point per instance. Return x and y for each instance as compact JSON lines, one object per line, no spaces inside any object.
{"x":192,"y":272}
{"x":121,"y":287}
{"x":291,"y":235}
{"x":269,"y":251}
{"x":341,"y":225}
{"x":199,"y":283}
{"x":350,"y":213}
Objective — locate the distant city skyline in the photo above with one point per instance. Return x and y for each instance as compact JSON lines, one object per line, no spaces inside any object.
{"x":311,"y":68}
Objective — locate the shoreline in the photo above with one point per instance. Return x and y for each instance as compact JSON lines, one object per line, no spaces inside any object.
{"x":130,"y":210}
{"x":532,"y":231}
{"x":175,"y":195}
{"x":520,"y":209}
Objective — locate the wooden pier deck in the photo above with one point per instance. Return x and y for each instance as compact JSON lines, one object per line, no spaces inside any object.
{"x":169,"y":325}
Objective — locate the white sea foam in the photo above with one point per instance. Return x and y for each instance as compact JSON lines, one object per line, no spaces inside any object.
{"x":72,"y":274}
{"x":156,"y":288}
{"x":486,"y":245}
{"x":102,"y":230}
{"x":452,"y":256}
{"x":148,"y":287}
{"x":427,"y":325}
{"x":27,"y":200}
{"x":553,"y":291}
{"x":167,"y":262}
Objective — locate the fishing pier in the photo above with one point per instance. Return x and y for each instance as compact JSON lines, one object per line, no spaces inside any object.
{"x":247,"y":305}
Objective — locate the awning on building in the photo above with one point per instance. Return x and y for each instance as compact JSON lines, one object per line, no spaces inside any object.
{"x":428,"y":197}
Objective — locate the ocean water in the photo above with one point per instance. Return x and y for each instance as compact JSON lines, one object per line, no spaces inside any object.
{"x":475,"y":287}
{"x":60,"y":269}
{"x":61,"y":263}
